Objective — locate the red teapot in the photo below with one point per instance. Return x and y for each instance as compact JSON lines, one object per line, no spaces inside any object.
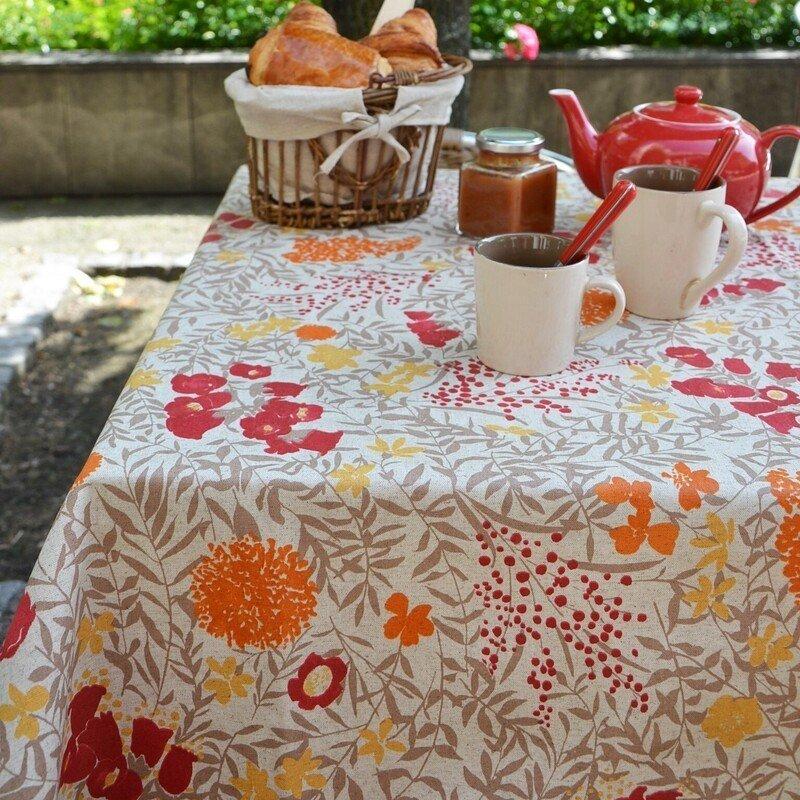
{"x":681,"y":133}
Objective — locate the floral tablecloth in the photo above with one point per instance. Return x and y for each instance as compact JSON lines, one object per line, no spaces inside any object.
{"x":321,"y":551}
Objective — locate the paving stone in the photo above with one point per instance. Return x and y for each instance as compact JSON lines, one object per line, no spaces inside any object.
{"x":10,"y":593}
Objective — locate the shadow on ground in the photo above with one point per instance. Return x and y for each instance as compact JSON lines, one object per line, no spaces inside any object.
{"x":53,"y":415}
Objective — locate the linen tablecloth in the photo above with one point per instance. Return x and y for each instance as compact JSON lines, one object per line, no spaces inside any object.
{"x":321,"y":551}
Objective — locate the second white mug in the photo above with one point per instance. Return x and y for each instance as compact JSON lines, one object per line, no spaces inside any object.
{"x":666,"y":241}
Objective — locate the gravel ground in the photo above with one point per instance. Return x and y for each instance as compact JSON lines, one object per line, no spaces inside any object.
{"x":96,"y":229}
{"x":54,"y":414}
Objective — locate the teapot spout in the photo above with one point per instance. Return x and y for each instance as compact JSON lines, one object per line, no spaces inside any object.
{"x":582,"y":139}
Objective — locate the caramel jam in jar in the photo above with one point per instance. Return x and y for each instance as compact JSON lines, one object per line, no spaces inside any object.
{"x":508,"y":188}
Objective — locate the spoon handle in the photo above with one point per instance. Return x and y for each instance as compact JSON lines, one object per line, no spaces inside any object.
{"x":717,"y":159}
{"x":617,"y":200}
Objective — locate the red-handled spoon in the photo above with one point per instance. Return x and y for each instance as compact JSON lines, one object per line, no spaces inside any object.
{"x":617,"y":200}
{"x":717,"y":159}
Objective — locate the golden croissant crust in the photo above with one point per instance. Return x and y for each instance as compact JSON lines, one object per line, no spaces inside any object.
{"x":295,"y":53}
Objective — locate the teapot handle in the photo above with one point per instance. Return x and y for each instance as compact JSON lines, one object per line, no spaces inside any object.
{"x":768,"y":138}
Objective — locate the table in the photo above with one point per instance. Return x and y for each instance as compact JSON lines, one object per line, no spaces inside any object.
{"x":320,"y":551}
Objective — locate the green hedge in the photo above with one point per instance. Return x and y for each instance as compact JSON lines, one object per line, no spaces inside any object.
{"x":166,"y":24}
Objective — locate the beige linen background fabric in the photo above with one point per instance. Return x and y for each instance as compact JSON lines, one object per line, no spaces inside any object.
{"x":319,"y":551}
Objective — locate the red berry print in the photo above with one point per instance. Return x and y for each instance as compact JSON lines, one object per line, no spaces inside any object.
{"x":576,"y":611}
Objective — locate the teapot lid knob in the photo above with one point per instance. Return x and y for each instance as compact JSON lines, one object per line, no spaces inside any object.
{"x":688,"y":94}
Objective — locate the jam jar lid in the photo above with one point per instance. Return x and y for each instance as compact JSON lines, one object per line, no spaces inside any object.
{"x":511,"y":141}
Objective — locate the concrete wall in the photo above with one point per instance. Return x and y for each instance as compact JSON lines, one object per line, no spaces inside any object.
{"x":97,"y":123}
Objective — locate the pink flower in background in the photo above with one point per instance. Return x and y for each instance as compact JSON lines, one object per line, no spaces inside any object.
{"x":523,"y":42}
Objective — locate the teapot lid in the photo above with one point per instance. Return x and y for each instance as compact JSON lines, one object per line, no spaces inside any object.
{"x":687,"y":109}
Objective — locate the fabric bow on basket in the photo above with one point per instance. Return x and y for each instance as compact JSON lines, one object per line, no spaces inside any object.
{"x":367,"y":126}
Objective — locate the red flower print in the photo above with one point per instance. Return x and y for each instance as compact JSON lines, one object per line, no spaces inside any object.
{"x":278,"y":446}
{"x":736,"y":365}
{"x":114,"y":781}
{"x":639,"y":793}
{"x":780,"y":370}
{"x":264,"y":426}
{"x":693,"y":356}
{"x":199,"y":383}
{"x":84,"y":706}
{"x":277,"y":417}
{"x":318,"y":682}
{"x":283,"y":388}
{"x":193,"y":426}
{"x":778,"y":395}
{"x":782,"y":421}
{"x":183,"y":406}
{"x":250,"y":371}
{"x":18,"y":629}
{"x":705,"y":387}
{"x":408,"y":625}
{"x":235,"y":221}
{"x":175,"y":773}
{"x":429,"y":331}
{"x":321,"y":442}
{"x":763,"y":284}
{"x":149,"y":740}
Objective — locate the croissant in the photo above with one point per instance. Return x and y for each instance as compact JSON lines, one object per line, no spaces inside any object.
{"x":296,"y":53}
{"x":408,"y":42}
{"x":308,"y":14}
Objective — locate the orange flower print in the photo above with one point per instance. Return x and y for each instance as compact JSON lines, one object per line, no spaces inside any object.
{"x":785,"y":489}
{"x":344,"y":249}
{"x":629,"y":538}
{"x":312,"y":333}
{"x":597,"y":306}
{"x":691,"y":484}
{"x":93,"y":462}
{"x":409,"y":626}
{"x":787,"y":544}
{"x":254,"y":593}
{"x":618,"y":491}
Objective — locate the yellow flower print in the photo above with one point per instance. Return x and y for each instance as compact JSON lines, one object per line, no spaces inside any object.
{"x":729,"y":720}
{"x":716,"y":544}
{"x":651,"y":412}
{"x":397,"y":448}
{"x":352,"y":478}
{"x":257,"y":330}
{"x":654,"y":376}
{"x":708,"y":596}
{"x":164,"y":343}
{"x":230,"y":256}
{"x":435,"y":265}
{"x":22,"y":708}
{"x":254,"y":785}
{"x":377,"y":744}
{"x":229,"y":683}
{"x":712,"y":327}
{"x":299,"y":771}
{"x":332,"y":357}
{"x":143,"y":377}
{"x":764,"y":651}
{"x":511,"y":430}
{"x":398,"y":379}
{"x":90,"y":634}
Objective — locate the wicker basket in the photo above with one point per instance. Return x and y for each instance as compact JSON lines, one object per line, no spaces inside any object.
{"x":376,"y":188}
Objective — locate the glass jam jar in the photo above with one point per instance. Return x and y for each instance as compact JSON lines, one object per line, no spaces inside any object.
{"x":508,"y":188}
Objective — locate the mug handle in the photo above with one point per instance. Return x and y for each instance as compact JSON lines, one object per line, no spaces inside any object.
{"x":588,"y":332}
{"x":737,"y":241}
{"x":768,"y":138}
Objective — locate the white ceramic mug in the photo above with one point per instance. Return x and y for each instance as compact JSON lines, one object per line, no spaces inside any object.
{"x":666,"y":241}
{"x":528,"y":310}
